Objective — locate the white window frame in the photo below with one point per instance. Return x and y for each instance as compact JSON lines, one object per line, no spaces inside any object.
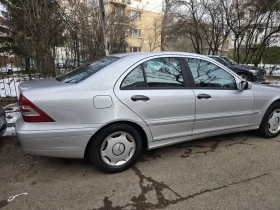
{"x":138,"y":33}
{"x":134,"y":16}
{"x":131,"y":49}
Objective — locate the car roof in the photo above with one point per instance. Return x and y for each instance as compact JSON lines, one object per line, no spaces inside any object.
{"x":141,"y":55}
{"x":214,"y":56}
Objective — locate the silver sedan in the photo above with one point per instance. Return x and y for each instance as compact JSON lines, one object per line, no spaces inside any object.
{"x":117,"y":107}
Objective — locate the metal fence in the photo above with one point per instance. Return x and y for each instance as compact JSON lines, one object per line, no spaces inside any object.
{"x":13,"y":72}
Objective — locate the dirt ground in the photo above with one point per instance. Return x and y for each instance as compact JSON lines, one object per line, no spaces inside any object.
{"x":237,"y":171}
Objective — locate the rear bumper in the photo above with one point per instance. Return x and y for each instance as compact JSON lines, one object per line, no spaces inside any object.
{"x":53,"y":139}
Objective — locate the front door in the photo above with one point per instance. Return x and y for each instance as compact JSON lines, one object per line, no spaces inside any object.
{"x":219,"y":104}
{"x":158,"y":92}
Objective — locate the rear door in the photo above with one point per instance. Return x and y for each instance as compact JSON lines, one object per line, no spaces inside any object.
{"x":158,"y":91}
{"x":219,"y":104}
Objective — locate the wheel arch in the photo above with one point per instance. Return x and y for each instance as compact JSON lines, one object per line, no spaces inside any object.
{"x":263,"y":130}
{"x":133,"y":124}
{"x":277,"y":100}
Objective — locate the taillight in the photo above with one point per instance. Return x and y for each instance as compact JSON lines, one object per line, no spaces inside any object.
{"x":31,"y":113}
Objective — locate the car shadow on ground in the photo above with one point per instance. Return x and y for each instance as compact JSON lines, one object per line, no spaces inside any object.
{"x":10,"y":153}
{"x":205,"y":145}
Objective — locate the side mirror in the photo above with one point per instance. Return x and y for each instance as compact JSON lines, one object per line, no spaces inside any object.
{"x":244,"y":85}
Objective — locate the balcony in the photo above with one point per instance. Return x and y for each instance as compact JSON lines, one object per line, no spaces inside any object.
{"x":118,"y":2}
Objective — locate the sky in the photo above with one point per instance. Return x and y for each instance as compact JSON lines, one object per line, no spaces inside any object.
{"x":2,"y":7}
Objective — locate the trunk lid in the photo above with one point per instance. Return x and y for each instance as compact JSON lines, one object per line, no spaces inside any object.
{"x":40,"y":84}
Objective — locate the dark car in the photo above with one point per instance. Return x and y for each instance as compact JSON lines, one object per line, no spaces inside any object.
{"x":248,"y":73}
{"x":3,"y":122}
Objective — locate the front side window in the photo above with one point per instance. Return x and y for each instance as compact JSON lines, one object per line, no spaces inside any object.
{"x":155,"y":73}
{"x":208,"y":75}
{"x":81,"y":73}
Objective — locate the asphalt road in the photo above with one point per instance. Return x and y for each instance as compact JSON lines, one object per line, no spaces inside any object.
{"x":237,"y":171}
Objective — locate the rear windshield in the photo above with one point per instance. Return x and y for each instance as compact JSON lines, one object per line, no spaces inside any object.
{"x":216,"y":59}
{"x":230,"y":61}
{"x":83,"y":72}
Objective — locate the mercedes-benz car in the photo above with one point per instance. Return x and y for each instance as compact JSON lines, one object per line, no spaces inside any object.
{"x":248,"y":73}
{"x":115,"y":108}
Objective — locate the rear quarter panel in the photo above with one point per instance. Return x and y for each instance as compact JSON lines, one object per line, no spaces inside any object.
{"x":75,"y":108}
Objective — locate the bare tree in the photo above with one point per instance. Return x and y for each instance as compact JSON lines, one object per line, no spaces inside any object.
{"x":36,"y":29}
{"x":202,"y":22}
{"x":65,"y":31}
{"x":214,"y":27}
{"x":167,"y":10}
{"x":84,"y":23}
{"x":252,"y":25}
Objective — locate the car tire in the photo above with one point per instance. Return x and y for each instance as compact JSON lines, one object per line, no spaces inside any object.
{"x":115,"y":148}
{"x":270,"y":125}
{"x":244,"y":76}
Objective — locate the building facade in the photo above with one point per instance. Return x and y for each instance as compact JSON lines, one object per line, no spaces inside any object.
{"x":145,"y":36}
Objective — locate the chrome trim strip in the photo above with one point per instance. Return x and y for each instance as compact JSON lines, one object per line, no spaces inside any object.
{"x":256,"y":113}
{"x":170,"y":121}
{"x":214,"y":117}
{"x":167,"y":142}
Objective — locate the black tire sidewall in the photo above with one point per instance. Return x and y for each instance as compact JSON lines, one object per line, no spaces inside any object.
{"x":96,"y":142}
{"x":264,"y":125}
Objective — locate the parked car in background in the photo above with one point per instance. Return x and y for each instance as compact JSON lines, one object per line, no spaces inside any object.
{"x":113,"y":109}
{"x":3,"y":121}
{"x":248,"y":73}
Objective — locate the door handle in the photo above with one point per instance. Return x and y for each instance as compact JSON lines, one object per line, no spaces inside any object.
{"x":140,"y":98}
{"x":203,"y":96}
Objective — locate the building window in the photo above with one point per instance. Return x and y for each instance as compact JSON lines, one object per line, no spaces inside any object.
{"x":135,"y":15}
{"x":135,"y":49}
{"x":136,"y":33}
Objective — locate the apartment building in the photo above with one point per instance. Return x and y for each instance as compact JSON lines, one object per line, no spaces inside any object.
{"x":146,"y":34}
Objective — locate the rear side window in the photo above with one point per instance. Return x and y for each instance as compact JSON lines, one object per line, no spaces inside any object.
{"x":135,"y":79}
{"x":163,"y":72}
{"x":81,"y":73}
{"x":155,"y":73}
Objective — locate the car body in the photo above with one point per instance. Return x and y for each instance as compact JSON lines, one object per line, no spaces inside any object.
{"x":3,"y":121}
{"x":130,"y":102}
{"x":249,"y":73}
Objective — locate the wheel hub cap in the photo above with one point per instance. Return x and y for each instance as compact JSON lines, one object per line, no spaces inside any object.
{"x":274,"y":122}
{"x":118,"y":149}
